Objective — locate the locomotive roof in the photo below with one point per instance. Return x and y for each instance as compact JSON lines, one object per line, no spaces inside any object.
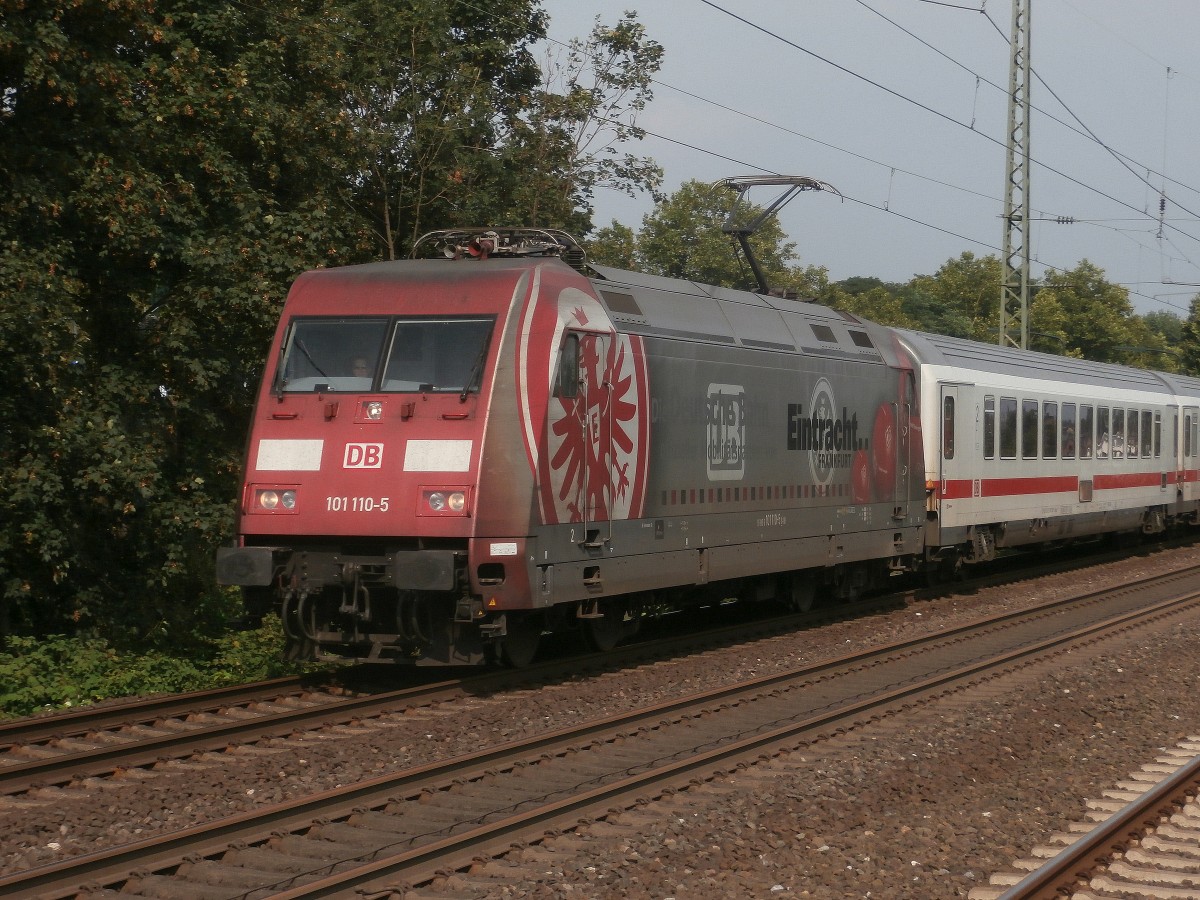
{"x":677,"y":308}
{"x":974,"y":356}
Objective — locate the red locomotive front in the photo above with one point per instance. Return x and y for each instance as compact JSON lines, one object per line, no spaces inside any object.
{"x":361,"y":518}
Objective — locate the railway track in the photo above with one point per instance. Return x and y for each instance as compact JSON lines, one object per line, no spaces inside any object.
{"x":408,"y":829}
{"x":1142,"y":839}
{"x":56,"y":750}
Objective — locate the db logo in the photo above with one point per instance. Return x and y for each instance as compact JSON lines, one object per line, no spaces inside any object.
{"x":363,"y":456}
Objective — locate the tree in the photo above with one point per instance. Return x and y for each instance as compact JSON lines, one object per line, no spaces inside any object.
{"x":966,"y":289}
{"x":432,"y":88}
{"x":1189,"y":343}
{"x":1167,"y":325}
{"x":568,"y":143}
{"x":877,"y":304}
{"x":1093,"y":317}
{"x":614,"y":245}
{"x":168,"y":169}
{"x":931,"y":314}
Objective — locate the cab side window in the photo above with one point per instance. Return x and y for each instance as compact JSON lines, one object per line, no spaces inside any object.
{"x":568,"y":368}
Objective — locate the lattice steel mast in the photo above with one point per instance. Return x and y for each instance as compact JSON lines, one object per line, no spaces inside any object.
{"x":1014,"y":287}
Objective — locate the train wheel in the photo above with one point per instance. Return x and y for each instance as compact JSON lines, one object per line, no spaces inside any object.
{"x":520,"y":645}
{"x":606,"y":632}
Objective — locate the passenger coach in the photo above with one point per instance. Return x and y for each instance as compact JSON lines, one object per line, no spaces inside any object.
{"x":1025,"y":448}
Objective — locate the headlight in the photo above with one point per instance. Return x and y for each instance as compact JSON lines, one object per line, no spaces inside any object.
{"x":373,"y":410}
{"x":278,"y":500}
{"x":443,"y":501}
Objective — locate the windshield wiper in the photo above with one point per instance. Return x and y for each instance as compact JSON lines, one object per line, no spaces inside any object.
{"x":476,"y":370}
{"x":309,"y":357}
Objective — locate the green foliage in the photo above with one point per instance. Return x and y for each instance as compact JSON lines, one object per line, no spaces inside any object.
{"x":963,"y":294}
{"x":877,"y":304}
{"x":1189,"y":343}
{"x":614,"y":245}
{"x":169,"y":169}
{"x":57,"y":672}
{"x":433,"y":88}
{"x":1166,"y":325}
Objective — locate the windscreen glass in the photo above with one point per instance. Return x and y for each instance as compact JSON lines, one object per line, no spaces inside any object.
{"x":436,"y":355}
{"x":332,"y":354}
{"x":384,"y":355}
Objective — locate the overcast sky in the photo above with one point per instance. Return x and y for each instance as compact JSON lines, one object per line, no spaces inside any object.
{"x":902,"y":106}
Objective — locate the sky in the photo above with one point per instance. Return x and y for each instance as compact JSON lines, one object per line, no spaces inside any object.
{"x":902,"y":105}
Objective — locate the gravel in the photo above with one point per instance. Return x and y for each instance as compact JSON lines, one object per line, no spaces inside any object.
{"x":926,"y":813}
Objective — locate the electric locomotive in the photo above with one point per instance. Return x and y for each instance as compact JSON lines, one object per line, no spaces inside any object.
{"x":451,"y":457}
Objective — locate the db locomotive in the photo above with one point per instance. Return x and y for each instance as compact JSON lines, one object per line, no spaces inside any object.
{"x":452,"y":458}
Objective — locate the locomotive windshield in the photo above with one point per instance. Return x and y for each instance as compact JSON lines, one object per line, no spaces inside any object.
{"x":385,"y":355}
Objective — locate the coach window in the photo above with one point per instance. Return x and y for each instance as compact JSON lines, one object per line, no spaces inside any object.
{"x":989,"y":427}
{"x":1118,"y":433}
{"x":1049,"y":430}
{"x":1131,"y":437}
{"x":1008,"y":428}
{"x":1068,"y":431}
{"x":1103,"y":440}
{"x":1029,"y":429}
{"x":1151,"y":426}
{"x":948,"y":428}
{"x":1086,"y":431}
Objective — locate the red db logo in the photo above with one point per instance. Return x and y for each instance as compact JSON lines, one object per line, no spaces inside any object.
{"x":363,"y":456}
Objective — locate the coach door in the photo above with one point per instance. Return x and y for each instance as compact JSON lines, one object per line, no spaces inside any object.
{"x":952,"y":452}
{"x":1189,"y":454}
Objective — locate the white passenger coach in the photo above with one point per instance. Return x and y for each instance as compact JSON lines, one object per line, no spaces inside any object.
{"x":1023,"y":447}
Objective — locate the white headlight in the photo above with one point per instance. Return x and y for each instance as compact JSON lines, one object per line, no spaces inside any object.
{"x":437,"y":501}
{"x":288,"y":499}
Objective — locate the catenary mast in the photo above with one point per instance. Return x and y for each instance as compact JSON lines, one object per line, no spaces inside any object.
{"x":1014,"y":287}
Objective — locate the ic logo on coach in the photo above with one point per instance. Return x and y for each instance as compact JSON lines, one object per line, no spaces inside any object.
{"x":363,"y":456}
